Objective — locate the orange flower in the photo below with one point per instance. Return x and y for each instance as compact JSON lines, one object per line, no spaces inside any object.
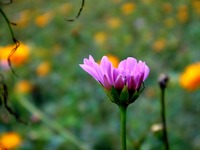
{"x":65,"y":8}
{"x":196,"y":6}
{"x":100,"y":37}
{"x":23,"y":87}
{"x":128,"y":8}
{"x":19,"y":57}
{"x":159,"y":45}
{"x":114,"y":60}
{"x":190,"y":78}
{"x":43,"y":19}
{"x":10,"y":140}
{"x":167,"y":7}
{"x":114,"y":23}
{"x":182,"y":14}
{"x":24,"y":18}
{"x":43,"y":69}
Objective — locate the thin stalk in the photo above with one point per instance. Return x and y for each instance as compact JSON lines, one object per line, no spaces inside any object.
{"x":123,"y":126}
{"x":17,"y":43}
{"x":165,"y":137}
{"x":8,"y":22}
{"x":51,"y":124}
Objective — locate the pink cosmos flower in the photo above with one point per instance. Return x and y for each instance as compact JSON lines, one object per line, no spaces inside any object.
{"x":130,"y":72}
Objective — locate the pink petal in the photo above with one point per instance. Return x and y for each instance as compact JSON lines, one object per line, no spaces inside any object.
{"x":99,"y":72}
{"x":119,"y":82}
{"x":146,"y":72}
{"x":115,"y":74}
{"x":91,"y":71}
{"x":138,"y":80}
{"x":107,"y":69}
{"x":131,"y":63}
{"x":122,"y":65}
{"x":106,"y":83}
{"x":131,"y":83}
{"x":91,"y":59}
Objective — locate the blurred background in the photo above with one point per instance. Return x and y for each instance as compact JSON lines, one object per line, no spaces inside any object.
{"x":68,"y":110}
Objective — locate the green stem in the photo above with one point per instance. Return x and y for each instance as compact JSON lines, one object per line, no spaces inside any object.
{"x":123,"y":125}
{"x":8,"y":22}
{"x":50,"y":123}
{"x":165,"y":137}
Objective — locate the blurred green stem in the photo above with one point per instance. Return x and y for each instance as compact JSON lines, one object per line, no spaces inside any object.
{"x":123,"y":125}
{"x":50,"y":123}
{"x":8,"y":22}
{"x":165,"y":137}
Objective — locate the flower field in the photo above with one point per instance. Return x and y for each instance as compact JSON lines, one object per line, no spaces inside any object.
{"x":64,"y":108}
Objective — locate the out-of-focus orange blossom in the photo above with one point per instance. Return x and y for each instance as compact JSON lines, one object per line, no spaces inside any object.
{"x":20,"y":56}
{"x":114,"y":59}
{"x":43,"y":69}
{"x":159,"y":45}
{"x":167,"y":7}
{"x":182,"y":13}
{"x":44,"y":19}
{"x":10,"y":140}
{"x":65,"y":8}
{"x":23,"y":87}
{"x":196,"y":6}
{"x":24,"y":18}
{"x":100,"y":37}
{"x":190,"y":78}
{"x":114,"y":23}
{"x":128,"y":8}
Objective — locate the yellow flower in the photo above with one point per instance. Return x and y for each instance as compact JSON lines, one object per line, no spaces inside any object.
{"x":167,"y":7}
{"x":114,"y":23}
{"x":43,"y":69}
{"x":128,"y":8}
{"x":24,"y":18}
{"x":190,"y":78}
{"x":43,"y":19}
{"x":23,"y":87}
{"x":65,"y":8}
{"x":196,"y":6}
{"x":182,"y":14}
{"x":159,"y":45}
{"x":10,"y":140}
{"x":114,"y":60}
{"x":19,"y":57}
{"x":100,"y":37}
{"x":169,"y":22}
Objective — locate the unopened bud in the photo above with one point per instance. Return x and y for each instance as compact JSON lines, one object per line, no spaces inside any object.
{"x":163,"y":80}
